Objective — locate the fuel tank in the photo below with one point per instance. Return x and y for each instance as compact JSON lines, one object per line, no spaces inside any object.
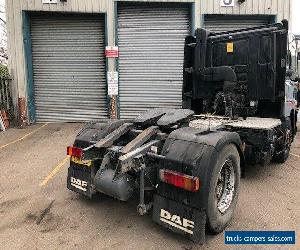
{"x":120,"y":187}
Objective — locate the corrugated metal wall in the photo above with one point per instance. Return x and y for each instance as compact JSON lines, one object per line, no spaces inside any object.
{"x":68,"y":67}
{"x":15,"y":19}
{"x":151,"y":41}
{"x":263,"y":7}
{"x":15,"y":8}
{"x":231,"y":22}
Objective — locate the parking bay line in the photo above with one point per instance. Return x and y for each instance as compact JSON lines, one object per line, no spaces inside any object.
{"x":55,"y":170}
{"x":295,"y":155}
{"x":23,"y":137}
{"x":58,"y":167}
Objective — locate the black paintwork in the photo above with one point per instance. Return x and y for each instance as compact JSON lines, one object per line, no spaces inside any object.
{"x":198,"y":216}
{"x":253,"y":71}
{"x":163,"y":117}
{"x":193,"y":152}
{"x":93,"y":132}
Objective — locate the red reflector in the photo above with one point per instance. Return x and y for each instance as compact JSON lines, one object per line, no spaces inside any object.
{"x":186,"y":182}
{"x":73,"y":151}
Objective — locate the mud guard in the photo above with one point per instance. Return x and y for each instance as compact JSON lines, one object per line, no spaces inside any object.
{"x":80,"y":177}
{"x":93,"y":132}
{"x":190,"y":151}
{"x":180,"y":218}
{"x":79,"y":181}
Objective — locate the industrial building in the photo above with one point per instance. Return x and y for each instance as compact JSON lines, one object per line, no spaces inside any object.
{"x":81,"y":60}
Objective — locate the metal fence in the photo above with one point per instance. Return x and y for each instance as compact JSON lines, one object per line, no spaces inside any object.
{"x":5,"y":96}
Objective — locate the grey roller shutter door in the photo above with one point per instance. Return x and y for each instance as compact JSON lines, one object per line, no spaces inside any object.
{"x":151,"y":44}
{"x":219,"y":23}
{"x":68,"y":67}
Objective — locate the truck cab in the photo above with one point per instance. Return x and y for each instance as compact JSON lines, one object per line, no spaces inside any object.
{"x":243,"y":74}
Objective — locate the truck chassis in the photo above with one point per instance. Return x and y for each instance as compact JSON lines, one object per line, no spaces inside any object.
{"x":185,"y":164}
{"x":118,"y":158}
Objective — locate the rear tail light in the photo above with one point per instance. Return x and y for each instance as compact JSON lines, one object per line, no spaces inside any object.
{"x":180,"y":180}
{"x":73,"y":151}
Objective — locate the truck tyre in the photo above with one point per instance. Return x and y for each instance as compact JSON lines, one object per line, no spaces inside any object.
{"x":282,"y":156}
{"x":224,"y":189}
{"x":285,"y":149}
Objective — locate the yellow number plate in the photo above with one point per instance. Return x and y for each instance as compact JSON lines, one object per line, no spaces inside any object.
{"x":76,"y":160}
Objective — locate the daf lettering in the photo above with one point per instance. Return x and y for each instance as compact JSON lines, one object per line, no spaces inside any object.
{"x":176,"y":221}
{"x":79,"y":184}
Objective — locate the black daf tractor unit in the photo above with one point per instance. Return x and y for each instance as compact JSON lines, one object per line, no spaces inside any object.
{"x":185,"y":164}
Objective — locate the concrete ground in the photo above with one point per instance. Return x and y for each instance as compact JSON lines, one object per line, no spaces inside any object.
{"x":52,"y":217}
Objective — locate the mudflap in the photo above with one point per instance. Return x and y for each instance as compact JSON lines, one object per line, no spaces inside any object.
{"x":79,"y":181}
{"x":180,"y":218}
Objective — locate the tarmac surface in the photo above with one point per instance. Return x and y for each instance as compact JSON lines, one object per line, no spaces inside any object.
{"x":37,"y":211}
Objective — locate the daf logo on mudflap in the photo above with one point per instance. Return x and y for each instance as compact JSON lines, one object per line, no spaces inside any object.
{"x":176,"y":221}
{"x":79,"y":184}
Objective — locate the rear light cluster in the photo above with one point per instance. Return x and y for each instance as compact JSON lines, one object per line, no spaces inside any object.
{"x":180,"y":180}
{"x":76,"y":152}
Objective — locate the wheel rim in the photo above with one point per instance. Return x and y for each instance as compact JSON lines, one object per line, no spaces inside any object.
{"x":225,"y":186}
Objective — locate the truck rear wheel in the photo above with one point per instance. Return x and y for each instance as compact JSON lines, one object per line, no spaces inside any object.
{"x":224,"y":188}
{"x":282,"y":156}
{"x":284,"y":150}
